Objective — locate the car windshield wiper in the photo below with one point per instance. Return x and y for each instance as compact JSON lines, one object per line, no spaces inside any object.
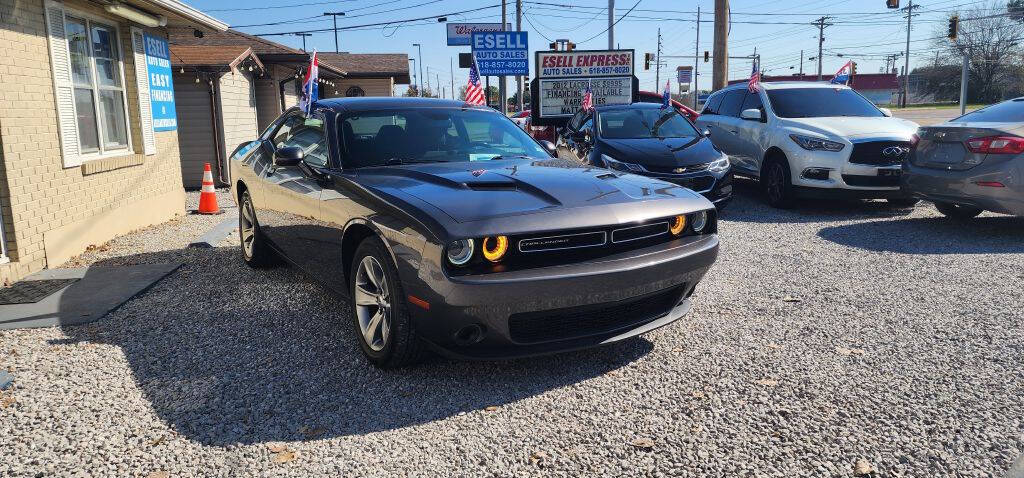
{"x":396,"y":161}
{"x":511,"y":156}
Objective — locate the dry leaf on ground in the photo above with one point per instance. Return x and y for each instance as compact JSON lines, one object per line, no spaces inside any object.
{"x":643,"y":443}
{"x":862,"y":467}
{"x":285,"y":456}
{"x":159,"y":474}
{"x":492,"y":408}
{"x":538,"y":458}
{"x":846,"y":351}
{"x":767,"y":382}
{"x":276,"y":447}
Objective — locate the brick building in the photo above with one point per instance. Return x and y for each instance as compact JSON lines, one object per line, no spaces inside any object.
{"x":82,"y":158}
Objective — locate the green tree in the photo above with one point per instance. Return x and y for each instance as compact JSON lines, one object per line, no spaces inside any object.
{"x":992,"y":43}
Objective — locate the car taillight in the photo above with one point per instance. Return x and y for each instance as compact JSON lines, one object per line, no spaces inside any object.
{"x":996,"y":145}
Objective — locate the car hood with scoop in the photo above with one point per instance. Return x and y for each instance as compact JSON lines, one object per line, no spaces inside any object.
{"x":660,"y":152}
{"x":531,"y":194}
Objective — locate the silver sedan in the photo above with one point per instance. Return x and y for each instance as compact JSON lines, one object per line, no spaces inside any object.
{"x":971,"y":164}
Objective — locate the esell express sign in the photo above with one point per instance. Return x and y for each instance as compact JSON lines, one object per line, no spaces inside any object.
{"x":563,"y":96}
{"x":584,"y":63}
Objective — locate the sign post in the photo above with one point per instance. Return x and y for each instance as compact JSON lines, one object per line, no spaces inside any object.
{"x":562,"y":76}
{"x":161,"y":87}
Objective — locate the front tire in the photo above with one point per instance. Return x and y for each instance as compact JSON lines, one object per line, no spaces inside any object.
{"x":379,"y":309}
{"x":956,"y":211}
{"x":255,"y":251}
{"x":777,"y":185}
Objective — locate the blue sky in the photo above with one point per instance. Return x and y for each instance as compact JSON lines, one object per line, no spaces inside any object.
{"x":863,"y":30}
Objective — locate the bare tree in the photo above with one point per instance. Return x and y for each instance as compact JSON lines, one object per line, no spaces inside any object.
{"x":992,"y":39}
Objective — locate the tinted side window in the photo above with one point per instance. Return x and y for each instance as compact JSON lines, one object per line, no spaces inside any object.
{"x":308,"y":135}
{"x":1007,"y":111}
{"x":714,"y":102}
{"x":752,"y":101}
{"x":731,"y":103}
{"x":284,"y":132}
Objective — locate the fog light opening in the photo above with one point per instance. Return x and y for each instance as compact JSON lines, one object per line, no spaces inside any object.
{"x":819,"y":174}
{"x":469,"y":334}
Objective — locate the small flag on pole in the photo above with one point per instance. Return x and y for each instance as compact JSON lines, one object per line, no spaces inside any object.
{"x":474,"y":94}
{"x":310,"y":89}
{"x":755,"y":79}
{"x":588,"y":99}
{"x":665,"y":96}
{"x":843,"y":75}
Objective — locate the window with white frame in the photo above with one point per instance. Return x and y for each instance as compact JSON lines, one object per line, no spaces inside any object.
{"x":99,"y":92}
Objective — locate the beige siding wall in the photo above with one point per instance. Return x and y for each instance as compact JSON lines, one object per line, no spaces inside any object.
{"x":238,"y":111}
{"x":51,"y":213}
{"x":370,"y":86}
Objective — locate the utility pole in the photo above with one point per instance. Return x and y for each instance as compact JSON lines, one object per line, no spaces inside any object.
{"x":419,"y":47}
{"x":696,"y":61}
{"x":501,"y":78}
{"x":611,"y":24}
{"x":437,"y":76}
{"x":821,"y":23}
{"x":963,"y":82}
{"x":906,"y":61}
{"x":304,"y":35}
{"x":419,"y":89}
{"x":426,"y":79}
{"x":801,"y":64}
{"x":519,"y":78}
{"x":451,"y":69}
{"x":335,"y":15}
{"x":657,"y":61}
{"x":720,"y":68}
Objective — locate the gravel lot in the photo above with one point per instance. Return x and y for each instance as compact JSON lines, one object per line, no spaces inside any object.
{"x":825,"y":336}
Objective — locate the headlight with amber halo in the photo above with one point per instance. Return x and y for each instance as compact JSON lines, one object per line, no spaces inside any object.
{"x":494,"y":248}
{"x":677,"y":225}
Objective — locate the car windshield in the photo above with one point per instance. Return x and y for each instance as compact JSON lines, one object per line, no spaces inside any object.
{"x":1006,"y":112}
{"x":633,"y":123}
{"x":819,"y":103}
{"x":388,"y":137}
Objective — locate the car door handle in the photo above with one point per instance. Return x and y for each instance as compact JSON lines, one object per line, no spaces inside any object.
{"x":734,"y":132}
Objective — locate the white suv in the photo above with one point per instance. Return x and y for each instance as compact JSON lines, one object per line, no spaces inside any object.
{"x":806,"y":139}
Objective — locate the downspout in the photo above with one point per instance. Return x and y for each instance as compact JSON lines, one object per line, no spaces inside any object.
{"x":215,"y":122}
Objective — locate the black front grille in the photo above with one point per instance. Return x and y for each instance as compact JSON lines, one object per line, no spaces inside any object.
{"x":872,"y":181}
{"x":699,"y":183}
{"x":576,"y":322}
{"x":692,"y":168}
{"x":880,"y":153}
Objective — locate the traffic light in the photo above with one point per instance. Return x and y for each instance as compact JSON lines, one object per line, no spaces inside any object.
{"x":553,"y":45}
{"x":570,"y":46}
{"x":706,"y":56}
{"x":954,"y":27}
{"x":892,"y":3}
{"x":853,"y":68}
{"x":647,"y":61}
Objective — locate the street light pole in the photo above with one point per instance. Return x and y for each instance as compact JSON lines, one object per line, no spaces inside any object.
{"x":335,"y":15}
{"x":414,"y":80}
{"x":419,"y":48}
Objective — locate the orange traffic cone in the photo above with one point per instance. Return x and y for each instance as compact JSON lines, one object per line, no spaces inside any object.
{"x":208,"y":196}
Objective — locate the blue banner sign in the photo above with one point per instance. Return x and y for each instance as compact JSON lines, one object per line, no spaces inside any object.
{"x":161,"y":86}
{"x":501,"y":53}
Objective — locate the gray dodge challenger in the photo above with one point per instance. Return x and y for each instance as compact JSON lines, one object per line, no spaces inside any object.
{"x":451,"y":229}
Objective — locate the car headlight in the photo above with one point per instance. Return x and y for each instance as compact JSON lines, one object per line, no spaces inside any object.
{"x":816,"y":144}
{"x":677,"y":225}
{"x":494,"y":248}
{"x":699,"y":221}
{"x":617,"y":165}
{"x":460,"y":251}
{"x":719,"y":165}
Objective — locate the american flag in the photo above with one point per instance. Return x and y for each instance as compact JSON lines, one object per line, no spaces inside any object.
{"x":310,"y":88}
{"x":474,"y":94}
{"x":755,"y":79}
{"x":666,"y":96}
{"x":588,"y":99}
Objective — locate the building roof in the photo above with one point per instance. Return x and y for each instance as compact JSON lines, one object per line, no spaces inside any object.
{"x":229,"y":56}
{"x":861,"y":81}
{"x":363,"y":65}
{"x":268,"y":51}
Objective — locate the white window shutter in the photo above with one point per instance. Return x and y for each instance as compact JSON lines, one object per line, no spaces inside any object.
{"x":64,"y":90}
{"x":142,"y":81}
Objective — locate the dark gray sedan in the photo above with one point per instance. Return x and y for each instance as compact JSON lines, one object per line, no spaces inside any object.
{"x":451,"y":228}
{"x":971,"y":164}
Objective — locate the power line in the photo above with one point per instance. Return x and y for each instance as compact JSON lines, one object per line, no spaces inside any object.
{"x":275,"y":6}
{"x":614,"y":23}
{"x":393,"y":22}
{"x":319,"y":18}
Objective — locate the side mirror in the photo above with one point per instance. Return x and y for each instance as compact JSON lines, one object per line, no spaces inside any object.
{"x":751,"y":114}
{"x":706,"y":133}
{"x":886,"y":111}
{"x":288,"y":156}
{"x":550,"y":147}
